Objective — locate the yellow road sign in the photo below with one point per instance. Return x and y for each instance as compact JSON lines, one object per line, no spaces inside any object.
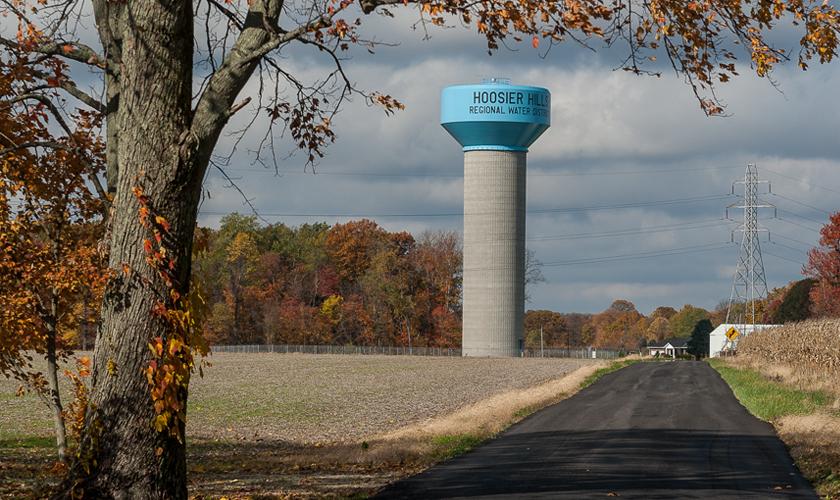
{"x":732,"y":333}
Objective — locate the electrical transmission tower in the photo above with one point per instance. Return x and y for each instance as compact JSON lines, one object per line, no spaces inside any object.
{"x":749,"y":284}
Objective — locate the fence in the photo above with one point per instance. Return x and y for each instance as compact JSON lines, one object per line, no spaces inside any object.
{"x":405,"y":351}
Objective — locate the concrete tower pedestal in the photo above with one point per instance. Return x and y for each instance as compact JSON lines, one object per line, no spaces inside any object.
{"x":494,"y":122}
{"x":494,"y":253}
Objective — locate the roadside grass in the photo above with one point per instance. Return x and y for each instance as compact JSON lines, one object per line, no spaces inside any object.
{"x":451,"y":445}
{"x":805,"y":420}
{"x":613,"y":367}
{"x":767,"y":399}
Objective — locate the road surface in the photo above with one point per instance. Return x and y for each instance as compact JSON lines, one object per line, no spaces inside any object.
{"x":651,"y":431}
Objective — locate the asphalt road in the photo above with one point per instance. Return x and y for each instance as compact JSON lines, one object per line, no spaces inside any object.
{"x":651,"y":430}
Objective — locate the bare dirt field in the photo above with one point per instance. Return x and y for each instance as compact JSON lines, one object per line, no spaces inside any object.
{"x":306,"y":398}
{"x":313,"y":425}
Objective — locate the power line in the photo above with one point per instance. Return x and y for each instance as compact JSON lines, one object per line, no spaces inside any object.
{"x":676,"y":201}
{"x":798,"y":224}
{"x":815,"y":221}
{"x":812,"y":207}
{"x":784,"y":258}
{"x":642,"y":255}
{"x":633,"y":256}
{"x":798,"y":250}
{"x":630,"y":232}
{"x":809,"y":245}
{"x":818,"y":186}
{"x":460,"y":176}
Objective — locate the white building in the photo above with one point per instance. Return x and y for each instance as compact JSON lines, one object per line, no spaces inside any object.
{"x":719,"y":342}
{"x":671,"y":348}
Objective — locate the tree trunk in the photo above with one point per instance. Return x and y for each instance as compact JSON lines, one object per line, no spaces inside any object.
{"x":122,"y":456}
{"x":54,"y":397}
{"x":155,"y":141}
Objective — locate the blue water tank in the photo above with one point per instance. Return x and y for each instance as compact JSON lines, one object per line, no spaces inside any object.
{"x":495,"y":115}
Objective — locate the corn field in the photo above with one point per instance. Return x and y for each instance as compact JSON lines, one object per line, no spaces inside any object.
{"x":810,"y":348}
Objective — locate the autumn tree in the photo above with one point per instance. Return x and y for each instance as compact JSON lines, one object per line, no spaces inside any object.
{"x":170,"y":91}
{"x":683,"y":323}
{"x":824,"y":268}
{"x":666,"y":312}
{"x":548,"y":324}
{"x":50,"y":212}
{"x":794,"y":305}
{"x":616,"y":326}
{"x":577,"y":328}
{"x":659,"y":329}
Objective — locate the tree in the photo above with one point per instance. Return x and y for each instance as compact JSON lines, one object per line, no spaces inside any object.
{"x":665,"y":312}
{"x":658,"y":330}
{"x":622,"y":306}
{"x":617,"y":326}
{"x":684,"y":322}
{"x":533,"y":272}
{"x":698,"y":344}
{"x":553,"y":326}
{"x":576,"y":323}
{"x":50,"y":270}
{"x":824,"y":268}
{"x":160,"y":141}
{"x":794,"y":304}
{"x":242,"y":257}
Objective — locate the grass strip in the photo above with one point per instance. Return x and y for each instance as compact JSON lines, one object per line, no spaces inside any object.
{"x":767,"y":399}
{"x":451,"y":445}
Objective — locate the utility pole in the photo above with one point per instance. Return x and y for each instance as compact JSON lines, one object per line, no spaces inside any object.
{"x":749,"y":284}
{"x":542,"y":351}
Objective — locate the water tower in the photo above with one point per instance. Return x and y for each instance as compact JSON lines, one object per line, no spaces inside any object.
{"x":494,"y":122}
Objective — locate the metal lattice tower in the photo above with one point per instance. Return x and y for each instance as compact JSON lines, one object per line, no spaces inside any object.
{"x":749,"y":283}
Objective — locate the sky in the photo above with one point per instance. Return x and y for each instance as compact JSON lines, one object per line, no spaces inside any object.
{"x":631,"y":167}
{"x":616,"y":139}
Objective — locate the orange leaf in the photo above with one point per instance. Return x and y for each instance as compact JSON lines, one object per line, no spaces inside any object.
{"x":535,"y":42}
{"x":162,"y":222}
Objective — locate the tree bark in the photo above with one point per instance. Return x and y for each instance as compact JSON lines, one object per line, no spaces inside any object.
{"x":54,"y":396}
{"x":122,"y":456}
{"x":155,"y":141}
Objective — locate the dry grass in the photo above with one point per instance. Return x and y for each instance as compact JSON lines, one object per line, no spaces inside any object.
{"x":805,"y":354}
{"x":813,"y":443}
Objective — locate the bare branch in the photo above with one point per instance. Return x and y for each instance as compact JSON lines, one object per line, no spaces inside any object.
{"x":75,"y":51}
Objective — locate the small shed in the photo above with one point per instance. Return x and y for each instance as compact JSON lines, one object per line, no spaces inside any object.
{"x":671,"y":347}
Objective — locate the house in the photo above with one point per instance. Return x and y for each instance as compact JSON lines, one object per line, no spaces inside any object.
{"x":671,"y":347}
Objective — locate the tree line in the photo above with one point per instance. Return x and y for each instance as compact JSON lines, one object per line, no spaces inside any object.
{"x":356,"y":283}
{"x":352,"y":283}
